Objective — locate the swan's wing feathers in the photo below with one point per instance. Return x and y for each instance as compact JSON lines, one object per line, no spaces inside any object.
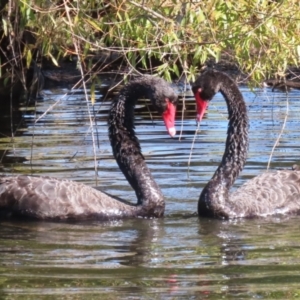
{"x":51,"y":198}
{"x":268,"y":194}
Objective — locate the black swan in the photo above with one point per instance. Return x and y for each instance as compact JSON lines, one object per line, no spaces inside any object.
{"x":47,"y":198}
{"x":270,"y":193}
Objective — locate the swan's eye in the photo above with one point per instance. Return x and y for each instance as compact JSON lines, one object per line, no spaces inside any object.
{"x":196,"y":90}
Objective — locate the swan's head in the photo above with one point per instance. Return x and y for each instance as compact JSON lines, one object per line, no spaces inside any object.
{"x":164,"y":99}
{"x":204,"y":89}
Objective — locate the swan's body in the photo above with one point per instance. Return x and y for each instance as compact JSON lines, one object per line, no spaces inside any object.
{"x":267,"y":194}
{"x":50,"y":198}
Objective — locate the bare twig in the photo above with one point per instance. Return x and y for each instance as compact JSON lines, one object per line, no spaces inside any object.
{"x":192,"y":146}
{"x":155,"y":14}
{"x":75,"y":42}
{"x":280,"y":133}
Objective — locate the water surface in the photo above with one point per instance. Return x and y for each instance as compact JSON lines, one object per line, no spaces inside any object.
{"x":179,"y":256}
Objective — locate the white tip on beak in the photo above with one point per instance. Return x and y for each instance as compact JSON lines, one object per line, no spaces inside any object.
{"x":172,"y":131}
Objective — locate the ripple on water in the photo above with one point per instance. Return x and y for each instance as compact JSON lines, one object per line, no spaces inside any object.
{"x":178,"y":256}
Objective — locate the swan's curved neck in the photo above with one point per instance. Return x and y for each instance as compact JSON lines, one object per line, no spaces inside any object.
{"x":236,"y":149}
{"x":126,"y":147}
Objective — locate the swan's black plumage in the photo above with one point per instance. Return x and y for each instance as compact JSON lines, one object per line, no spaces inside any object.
{"x":269,"y":193}
{"x":59,"y":199}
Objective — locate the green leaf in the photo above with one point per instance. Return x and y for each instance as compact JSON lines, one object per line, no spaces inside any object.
{"x":93,"y":93}
{"x":94,"y":24}
{"x":28,"y":58}
{"x":176,"y":70}
{"x":5,"y":26}
{"x":53,"y":59}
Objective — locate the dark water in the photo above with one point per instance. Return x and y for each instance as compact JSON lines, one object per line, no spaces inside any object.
{"x":177,"y":257}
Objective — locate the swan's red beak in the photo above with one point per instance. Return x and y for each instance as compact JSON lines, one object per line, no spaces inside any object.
{"x":201,"y":105}
{"x":169,"y":117}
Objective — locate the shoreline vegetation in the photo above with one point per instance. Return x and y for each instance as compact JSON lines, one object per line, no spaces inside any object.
{"x":76,"y":41}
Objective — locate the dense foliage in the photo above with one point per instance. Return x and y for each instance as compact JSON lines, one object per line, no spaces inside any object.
{"x":171,"y":37}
